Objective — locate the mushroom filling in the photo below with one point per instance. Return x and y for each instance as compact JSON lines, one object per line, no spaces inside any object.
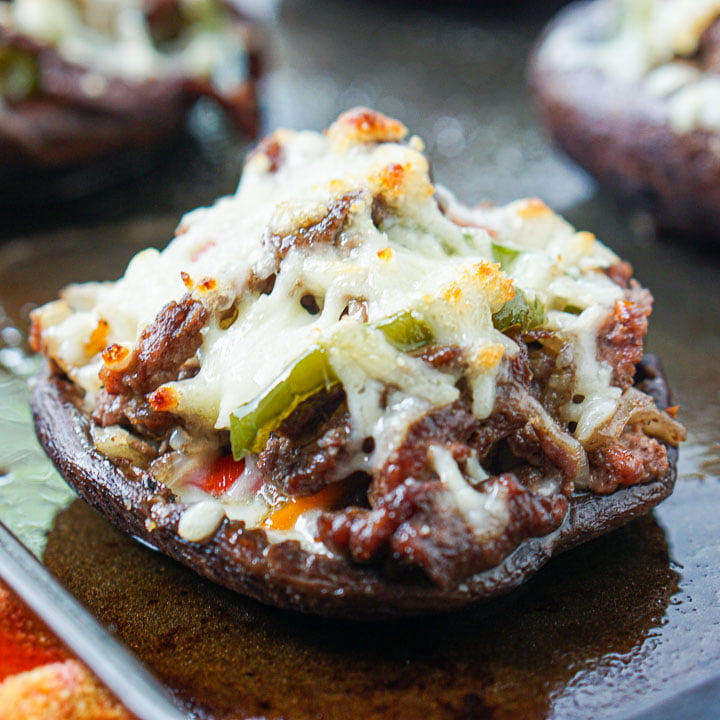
{"x":342,"y":355}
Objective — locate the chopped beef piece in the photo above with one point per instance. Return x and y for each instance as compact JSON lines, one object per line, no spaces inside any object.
{"x":164,"y":18}
{"x":307,"y":451}
{"x":271,"y":148}
{"x":442,"y":357}
{"x":134,"y":411}
{"x":325,"y":231}
{"x":543,"y":364}
{"x":452,"y":426}
{"x":456,"y":428}
{"x":163,"y":348}
{"x":164,"y":352}
{"x":551,"y":373}
{"x":419,"y":525}
{"x":633,"y":458}
{"x":620,"y":339}
{"x":621,"y":273}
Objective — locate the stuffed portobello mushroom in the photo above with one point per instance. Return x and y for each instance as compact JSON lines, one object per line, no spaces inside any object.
{"x":343,"y":392}
{"x":630,"y":89}
{"x":83,"y":81}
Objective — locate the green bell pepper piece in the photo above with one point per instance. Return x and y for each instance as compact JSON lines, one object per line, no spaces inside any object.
{"x":252,"y":423}
{"x":405,"y":331}
{"x":503,"y":255}
{"x":521,"y":312}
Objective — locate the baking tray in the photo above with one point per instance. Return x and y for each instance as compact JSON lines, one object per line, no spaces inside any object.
{"x":606,"y":631}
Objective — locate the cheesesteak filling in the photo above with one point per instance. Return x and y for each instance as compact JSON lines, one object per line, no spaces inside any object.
{"x":342,"y":355}
{"x":672,"y":48}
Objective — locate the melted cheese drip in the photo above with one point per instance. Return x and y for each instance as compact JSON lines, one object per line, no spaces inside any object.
{"x":485,"y":513}
{"x":419,"y":259}
{"x":640,"y":41}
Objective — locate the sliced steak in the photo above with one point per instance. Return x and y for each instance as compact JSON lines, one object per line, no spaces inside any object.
{"x":620,"y":339}
{"x":308,"y":450}
{"x":163,"y":348}
{"x":325,"y":230}
{"x":633,"y":458}
{"x":418,"y":525}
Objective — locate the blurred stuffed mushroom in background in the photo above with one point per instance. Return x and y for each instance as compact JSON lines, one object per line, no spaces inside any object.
{"x":630,"y":89}
{"x":84,"y":80}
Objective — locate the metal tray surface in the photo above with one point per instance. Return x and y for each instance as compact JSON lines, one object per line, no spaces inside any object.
{"x":605,"y":631}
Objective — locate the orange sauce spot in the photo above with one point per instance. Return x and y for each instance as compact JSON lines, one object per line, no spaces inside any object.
{"x":385,"y":253}
{"x":286,"y":517}
{"x":164,"y":399}
{"x":370,"y":125}
{"x":533,"y":208}
{"x":490,"y":276}
{"x":623,"y":311}
{"x":362,"y":125}
{"x":115,"y":355}
{"x":187,"y":280}
{"x":272,"y":149}
{"x":98,"y":338}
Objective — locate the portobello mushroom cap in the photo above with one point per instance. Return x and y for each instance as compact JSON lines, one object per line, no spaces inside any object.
{"x":622,"y":134}
{"x":284,"y":574}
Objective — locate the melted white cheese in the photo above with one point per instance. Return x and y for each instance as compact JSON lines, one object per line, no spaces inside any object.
{"x":486,"y":513}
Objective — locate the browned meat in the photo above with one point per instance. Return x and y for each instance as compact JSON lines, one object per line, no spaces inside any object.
{"x":445,"y":357}
{"x":620,"y":273}
{"x":164,"y":19}
{"x":163,"y":348}
{"x":164,"y":352}
{"x":418,"y":525}
{"x":323,"y":231}
{"x":381,"y":210}
{"x":620,"y":339}
{"x":132,"y":410}
{"x":452,"y":426}
{"x":303,"y":456}
{"x":271,"y":148}
{"x":306,"y":469}
{"x":634,"y":458}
